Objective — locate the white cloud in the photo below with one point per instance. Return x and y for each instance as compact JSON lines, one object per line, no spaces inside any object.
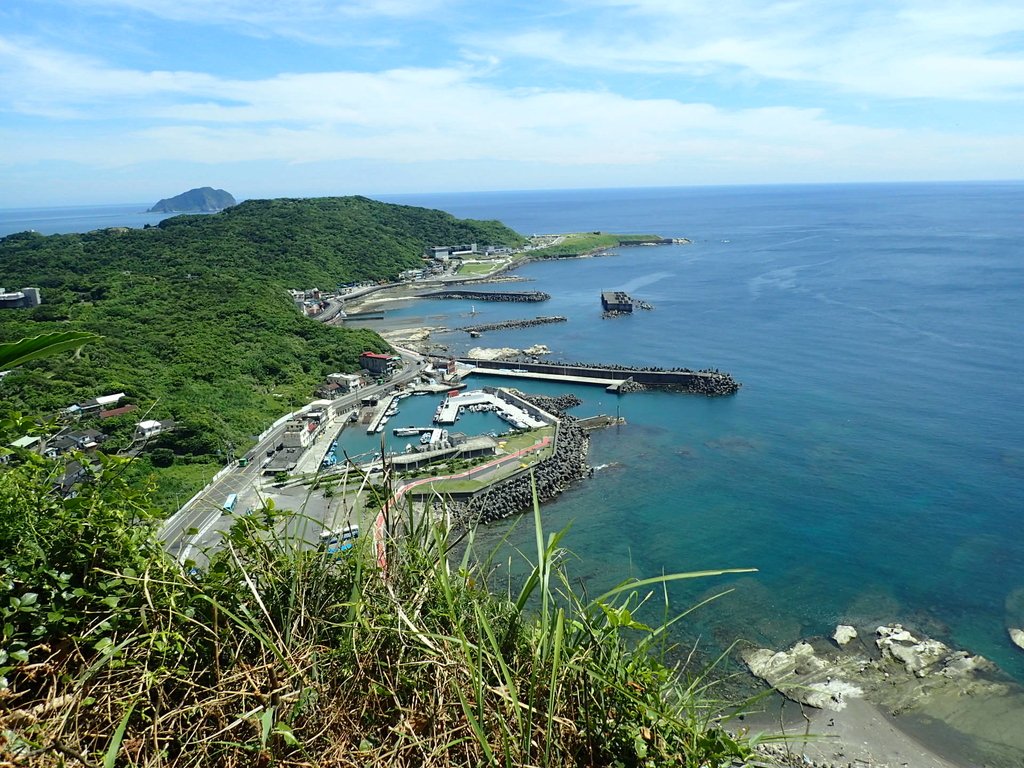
{"x":441,"y":115}
{"x":951,"y":50}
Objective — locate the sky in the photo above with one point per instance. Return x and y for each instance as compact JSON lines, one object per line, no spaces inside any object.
{"x":105,"y":101}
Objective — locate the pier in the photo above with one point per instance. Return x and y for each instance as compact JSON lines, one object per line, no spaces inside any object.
{"x":515,"y":414}
{"x":707,"y":382}
{"x":382,"y":415}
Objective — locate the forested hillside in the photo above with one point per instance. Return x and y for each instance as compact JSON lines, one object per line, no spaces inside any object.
{"x":196,"y":320}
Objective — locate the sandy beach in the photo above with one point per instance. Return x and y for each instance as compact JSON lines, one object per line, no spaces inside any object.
{"x":859,"y":736}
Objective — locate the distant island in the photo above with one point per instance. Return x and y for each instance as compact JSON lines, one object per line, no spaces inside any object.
{"x":201,"y":200}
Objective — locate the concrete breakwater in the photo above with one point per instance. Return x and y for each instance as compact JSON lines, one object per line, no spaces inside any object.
{"x":506,"y":324}
{"x":567,"y":465}
{"x":515,"y":296}
{"x":710,"y":381}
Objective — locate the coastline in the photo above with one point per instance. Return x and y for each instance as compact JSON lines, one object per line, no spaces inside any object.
{"x":862,"y":734}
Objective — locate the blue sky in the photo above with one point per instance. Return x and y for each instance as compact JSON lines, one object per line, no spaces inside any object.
{"x":133,"y":100}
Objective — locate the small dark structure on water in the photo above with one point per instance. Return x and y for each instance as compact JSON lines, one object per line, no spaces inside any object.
{"x":616,"y":301}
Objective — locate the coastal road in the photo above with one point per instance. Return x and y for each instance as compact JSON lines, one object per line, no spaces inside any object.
{"x":196,"y":525}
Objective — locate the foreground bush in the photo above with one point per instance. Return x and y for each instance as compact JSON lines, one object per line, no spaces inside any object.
{"x":281,"y":655}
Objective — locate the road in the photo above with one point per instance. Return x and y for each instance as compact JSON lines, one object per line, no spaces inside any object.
{"x":196,"y":525}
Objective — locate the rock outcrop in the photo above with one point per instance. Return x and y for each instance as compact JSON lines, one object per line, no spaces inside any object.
{"x":844,"y":633}
{"x":905,"y":673}
{"x":1017,"y":638}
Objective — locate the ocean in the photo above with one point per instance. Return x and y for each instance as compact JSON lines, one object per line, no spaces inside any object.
{"x":77,"y":218}
{"x":872,"y":465}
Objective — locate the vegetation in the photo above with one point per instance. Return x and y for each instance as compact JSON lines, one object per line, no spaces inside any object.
{"x":281,"y":655}
{"x":197,"y":323}
{"x":584,"y":243}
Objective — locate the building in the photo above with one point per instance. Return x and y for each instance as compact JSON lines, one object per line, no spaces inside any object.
{"x":118,"y":411}
{"x":616,"y":301}
{"x":84,"y":440}
{"x":445,"y":252}
{"x":151,"y":428}
{"x":300,"y":432}
{"x":347,"y":382}
{"x":28,"y":442}
{"x":90,"y":407}
{"x":26,"y":298}
{"x":374,"y":362}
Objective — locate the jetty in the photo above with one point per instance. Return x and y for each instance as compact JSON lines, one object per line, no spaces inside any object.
{"x":505,"y":325}
{"x":514,"y":296}
{"x":617,"y":378}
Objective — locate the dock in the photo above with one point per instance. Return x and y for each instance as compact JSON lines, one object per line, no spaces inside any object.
{"x":381,"y":416}
{"x":449,"y":411}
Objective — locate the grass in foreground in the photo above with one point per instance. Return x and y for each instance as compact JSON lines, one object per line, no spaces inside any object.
{"x":281,"y":655}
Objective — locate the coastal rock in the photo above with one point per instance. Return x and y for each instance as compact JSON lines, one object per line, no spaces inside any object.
{"x":917,"y":656}
{"x":801,"y":675}
{"x":1017,"y":638}
{"x":537,"y":349}
{"x":844,"y":633}
{"x":492,"y":353}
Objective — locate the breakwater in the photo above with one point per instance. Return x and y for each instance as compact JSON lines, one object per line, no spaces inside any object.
{"x":710,"y":381}
{"x":507,"y":324}
{"x":566,"y":465}
{"x":515,"y":296}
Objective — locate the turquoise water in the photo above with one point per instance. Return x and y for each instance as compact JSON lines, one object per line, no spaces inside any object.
{"x":872,"y":465}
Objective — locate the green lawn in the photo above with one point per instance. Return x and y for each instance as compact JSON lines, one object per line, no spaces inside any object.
{"x":480,"y":268}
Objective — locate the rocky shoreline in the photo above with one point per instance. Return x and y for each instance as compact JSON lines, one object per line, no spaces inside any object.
{"x":901,"y":674}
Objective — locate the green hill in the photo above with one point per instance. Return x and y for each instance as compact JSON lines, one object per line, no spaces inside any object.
{"x":197,"y":322}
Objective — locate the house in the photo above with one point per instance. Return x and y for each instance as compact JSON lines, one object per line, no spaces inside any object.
{"x":374,"y":362}
{"x":28,"y":442}
{"x":298,"y":433}
{"x":26,"y":298}
{"x":151,"y":428}
{"x":94,"y":405}
{"x":348,"y":382}
{"x":83,"y":440}
{"x":118,"y":411}
{"x":329,"y":391}
{"x":74,"y":473}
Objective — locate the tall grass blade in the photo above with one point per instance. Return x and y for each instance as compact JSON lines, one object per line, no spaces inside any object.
{"x":110,"y":756}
